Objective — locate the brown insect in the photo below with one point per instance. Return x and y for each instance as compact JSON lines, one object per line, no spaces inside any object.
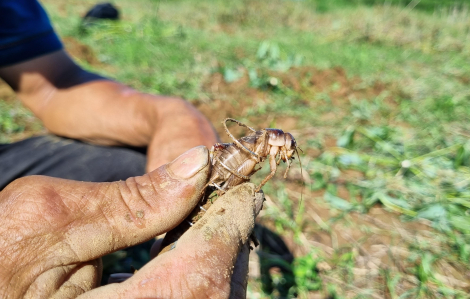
{"x":234,"y":163}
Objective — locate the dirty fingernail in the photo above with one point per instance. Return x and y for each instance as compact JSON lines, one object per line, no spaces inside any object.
{"x":190,"y":162}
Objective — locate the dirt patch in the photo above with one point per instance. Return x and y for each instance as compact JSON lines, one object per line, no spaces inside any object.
{"x":80,"y":51}
{"x":6,"y":93}
{"x":239,"y":98}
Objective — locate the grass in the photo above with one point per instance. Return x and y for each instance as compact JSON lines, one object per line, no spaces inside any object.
{"x":376,"y":95}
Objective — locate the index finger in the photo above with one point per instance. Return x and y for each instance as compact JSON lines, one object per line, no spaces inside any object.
{"x":203,"y":261}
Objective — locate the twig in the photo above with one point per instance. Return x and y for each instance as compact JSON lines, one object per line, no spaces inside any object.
{"x":326,"y":248}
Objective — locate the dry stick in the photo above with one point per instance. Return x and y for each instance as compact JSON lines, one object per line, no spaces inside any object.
{"x":449,"y":278}
{"x":326,"y":248}
{"x":364,"y":252}
{"x":403,"y":233}
{"x":356,"y":244}
{"x":334,"y":240}
{"x":377,"y":222}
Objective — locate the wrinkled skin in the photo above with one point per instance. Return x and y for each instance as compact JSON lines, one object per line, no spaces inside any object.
{"x":54,"y":231}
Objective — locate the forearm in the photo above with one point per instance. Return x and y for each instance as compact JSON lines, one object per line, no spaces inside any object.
{"x":101,"y":112}
{"x":77,"y":104}
{"x":108,"y":113}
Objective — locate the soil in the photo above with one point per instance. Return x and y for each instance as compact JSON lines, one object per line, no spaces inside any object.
{"x":81,"y":51}
{"x":378,"y":239}
{"x":236,"y":98}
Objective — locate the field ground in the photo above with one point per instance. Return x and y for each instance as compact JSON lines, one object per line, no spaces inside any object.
{"x":376,"y":96}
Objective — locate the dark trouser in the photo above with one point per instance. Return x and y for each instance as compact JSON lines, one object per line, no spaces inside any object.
{"x":68,"y":159}
{"x":71,"y":159}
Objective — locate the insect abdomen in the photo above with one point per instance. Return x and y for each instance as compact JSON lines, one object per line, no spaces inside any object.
{"x":233,"y":158}
{"x":245,"y":169}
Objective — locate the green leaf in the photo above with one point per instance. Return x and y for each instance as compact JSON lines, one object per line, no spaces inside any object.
{"x":438,"y":214}
{"x":263,"y":50}
{"x":350,"y":159}
{"x":337,"y":202}
{"x":231,"y":75}
{"x":346,"y":140}
{"x":425,"y":270}
{"x":433,"y":212}
{"x":461,"y":223}
{"x":395,"y":204}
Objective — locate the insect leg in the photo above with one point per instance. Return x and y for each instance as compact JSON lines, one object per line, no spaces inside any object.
{"x":218,"y":187}
{"x":256,"y":169}
{"x":287,"y":168}
{"x":238,"y":143}
{"x":272,"y":166}
{"x":211,"y":182}
{"x":234,"y":172}
{"x":239,"y":123}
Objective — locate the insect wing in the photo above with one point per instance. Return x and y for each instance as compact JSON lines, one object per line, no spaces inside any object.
{"x":252,"y":138}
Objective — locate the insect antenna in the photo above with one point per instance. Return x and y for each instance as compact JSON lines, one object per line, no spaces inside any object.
{"x":300,"y":162}
{"x":302,"y":176}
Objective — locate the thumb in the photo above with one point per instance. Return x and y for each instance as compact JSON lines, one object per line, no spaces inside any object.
{"x":88,"y":220}
{"x":142,"y":207}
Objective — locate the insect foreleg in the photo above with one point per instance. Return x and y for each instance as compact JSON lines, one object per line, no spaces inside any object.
{"x":272,"y":165}
{"x":287,"y":168}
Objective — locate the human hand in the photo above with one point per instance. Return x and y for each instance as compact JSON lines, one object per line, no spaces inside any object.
{"x":78,"y":104}
{"x":54,"y":231}
{"x":179,"y":126}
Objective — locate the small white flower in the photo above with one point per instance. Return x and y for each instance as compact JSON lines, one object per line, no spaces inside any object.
{"x":406,"y":164}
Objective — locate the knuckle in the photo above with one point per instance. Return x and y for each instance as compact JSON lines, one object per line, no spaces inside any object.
{"x":20,"y":189}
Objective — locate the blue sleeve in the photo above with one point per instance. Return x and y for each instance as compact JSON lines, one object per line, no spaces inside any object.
{"x":25,"y":32}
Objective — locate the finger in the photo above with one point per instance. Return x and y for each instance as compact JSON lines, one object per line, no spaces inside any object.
{"x":239,"y":280}
{"x":65,"y":282}
{"x":83,"y":221}
{"x":202,"y":263}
